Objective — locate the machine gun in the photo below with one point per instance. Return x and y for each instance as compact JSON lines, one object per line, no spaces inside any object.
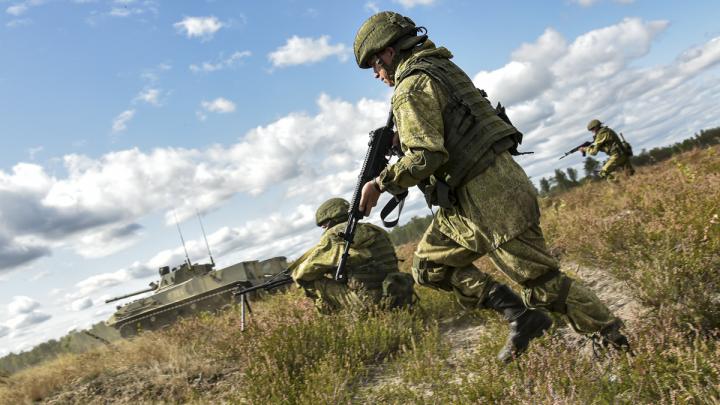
{"x":380,"y":149}
{"x":278,"y":280}
{"x":577,"y":148}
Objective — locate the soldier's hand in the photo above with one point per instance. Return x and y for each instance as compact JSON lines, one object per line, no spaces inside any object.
{"x":369,"y":197}
{"x":396,"y":140}
{"x":582,"y":150}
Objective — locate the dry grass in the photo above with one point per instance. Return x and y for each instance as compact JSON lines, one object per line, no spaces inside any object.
{"x":658,"y":232}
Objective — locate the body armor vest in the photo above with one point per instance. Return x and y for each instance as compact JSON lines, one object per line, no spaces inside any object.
{"x":613,"y":145}
{"x":370,"y":274}
{"x":474,"y":133}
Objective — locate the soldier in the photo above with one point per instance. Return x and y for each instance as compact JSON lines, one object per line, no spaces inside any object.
{"x":619,"y":151}
{"x":458,"y":151}
{"x":373,"y":275}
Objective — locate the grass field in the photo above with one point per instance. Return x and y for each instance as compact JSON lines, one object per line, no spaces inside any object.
{"x":654,"y":238}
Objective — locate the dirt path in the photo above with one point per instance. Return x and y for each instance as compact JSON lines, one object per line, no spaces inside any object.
{"x":462,"y":335}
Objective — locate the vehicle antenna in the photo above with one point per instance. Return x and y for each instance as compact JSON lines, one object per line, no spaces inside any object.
{"x":205,"y":236}
{"x":182,"y":240}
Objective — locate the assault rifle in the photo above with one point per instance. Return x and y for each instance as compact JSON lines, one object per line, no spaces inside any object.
{"x":380,"y":149}
{"x":577,"y":148}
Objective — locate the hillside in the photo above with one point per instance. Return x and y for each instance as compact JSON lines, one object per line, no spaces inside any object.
{"x":649,"y":246}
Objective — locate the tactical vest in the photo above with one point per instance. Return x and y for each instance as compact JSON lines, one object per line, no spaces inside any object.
{"x":474,"y":133}
{"x":613,"y":145}
{"x":370,"y":274}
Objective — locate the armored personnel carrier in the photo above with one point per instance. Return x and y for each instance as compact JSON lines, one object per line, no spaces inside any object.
{"x":187,"y":290}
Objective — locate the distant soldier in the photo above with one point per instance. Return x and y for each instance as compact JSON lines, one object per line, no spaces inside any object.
{"x":618,"y":150}
{"x":459,"y":152}
{"x":373,"y":275}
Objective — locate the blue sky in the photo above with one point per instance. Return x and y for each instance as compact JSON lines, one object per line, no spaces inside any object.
{"x":117,"y":114}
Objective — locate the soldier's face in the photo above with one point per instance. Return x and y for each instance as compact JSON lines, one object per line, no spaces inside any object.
{"x":380,"y":63}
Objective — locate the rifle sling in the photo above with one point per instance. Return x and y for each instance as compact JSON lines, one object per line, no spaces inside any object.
{"x":396,"y":201}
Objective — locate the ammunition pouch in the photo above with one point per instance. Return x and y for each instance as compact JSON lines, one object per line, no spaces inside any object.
{"x":428,"y":273}
{"x":437,"y":193}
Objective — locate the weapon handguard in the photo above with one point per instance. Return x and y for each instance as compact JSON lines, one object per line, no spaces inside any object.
{"x":380,"y":148}
{"x":577,"y":148}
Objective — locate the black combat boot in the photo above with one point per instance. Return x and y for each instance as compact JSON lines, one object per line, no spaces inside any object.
{"x":525,"y":324}
{"x":610,"y":336}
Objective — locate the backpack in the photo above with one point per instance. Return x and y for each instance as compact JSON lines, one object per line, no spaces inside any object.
{"x":625,"y":145}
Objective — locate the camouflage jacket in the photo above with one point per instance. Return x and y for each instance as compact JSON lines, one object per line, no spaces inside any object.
{"x":371,"y":257}
{"x":606,"y":140}
{"x":495,"y":206}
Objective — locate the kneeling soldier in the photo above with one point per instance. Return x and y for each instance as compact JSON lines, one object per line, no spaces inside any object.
{"x":372,"y":268}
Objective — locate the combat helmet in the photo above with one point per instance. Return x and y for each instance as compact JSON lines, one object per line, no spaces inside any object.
{"x":334,"y":210}
{"x":385,"y":29}
{"x":593,"y":124}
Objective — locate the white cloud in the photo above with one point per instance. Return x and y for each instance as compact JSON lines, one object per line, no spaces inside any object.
{"x":108,"y":240}
{"x":153,"y":74}
{"x":18,"y":22}
{"x":413,"y":3}
{"x":81,"y":304}
{"x":200,"y":27}
{"x":588,"y":3}
{"x":22,"y":310}
{"x":120,"y":12}
{"x":126,"y":8}
{"x":150,"y":96}
{"x":120,"y":122}
{"x":553,"y":87}
{"x":17,"y":9}
{"x":16,"y":251}
{"x":26,"y":320}
{"x":98,"y":282}
{"x":232,"y":61}
{"x":32,"y":152}
{"x":4,"y":330}
{"x":97,"y":198}
{"x":219,"y":105}
{"x":372,"y":7}
{"x":22,"y":305}
{"x":39,"y":276}
{"x":95,"y":207}
{"x":264,"y":237}
{"x":302,"y":51}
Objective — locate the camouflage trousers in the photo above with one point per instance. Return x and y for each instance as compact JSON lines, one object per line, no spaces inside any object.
{"x":332,"y":296}
{"x":442,"y":263}
{"x":614,"y":163}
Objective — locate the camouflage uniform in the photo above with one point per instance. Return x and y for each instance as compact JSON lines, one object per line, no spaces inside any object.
{"x":371,"y":258}
{"x":494,"y":213}
{"x":606,"y":140}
